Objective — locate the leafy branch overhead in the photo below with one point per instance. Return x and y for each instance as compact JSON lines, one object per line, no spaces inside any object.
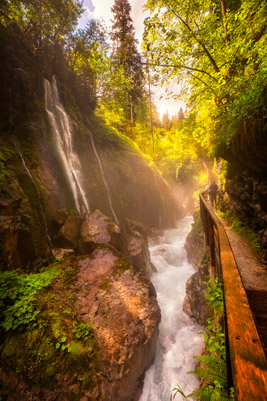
{"x":214,"y":53}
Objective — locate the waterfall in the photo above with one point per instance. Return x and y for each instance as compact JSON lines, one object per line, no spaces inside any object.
{"x":61,"y":126}
{"x":178,"y":340}
{"x":37,"y":190}
{"x":101,"y":168}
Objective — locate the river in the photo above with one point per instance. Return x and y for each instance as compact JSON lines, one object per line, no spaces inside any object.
{"x":178,"y":339}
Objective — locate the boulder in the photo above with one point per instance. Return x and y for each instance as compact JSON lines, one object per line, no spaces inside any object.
{"x":98,"y":228}
{"x":101,"y":292}
{"x":60,"y":253}
{"x":122,"y":305}
{"x":60,"y":216}
{"x":57,"y":220}
{"x":134,"y":246}
{"x":69,"y":233}
{"x":195,"y":303}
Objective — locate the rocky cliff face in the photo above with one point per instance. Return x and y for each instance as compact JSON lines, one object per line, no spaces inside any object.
{"x":248,"y":199}
{"x":195,"y":304}
{"x":246,"y":183}
{"x":97,"y":325}
{"x":59,"y":158}
{"x":77,"y":197}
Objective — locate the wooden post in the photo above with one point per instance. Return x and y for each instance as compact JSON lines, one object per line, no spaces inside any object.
{"x":248,"y":366}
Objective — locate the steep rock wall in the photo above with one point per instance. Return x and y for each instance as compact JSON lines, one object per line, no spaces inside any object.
{"x":29,"y":201}
{"x":195,"y":304}
{"x":95,"y":336}
{"x":246,"y":181}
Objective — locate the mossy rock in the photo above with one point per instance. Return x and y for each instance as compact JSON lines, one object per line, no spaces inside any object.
{"x":49,"y":353}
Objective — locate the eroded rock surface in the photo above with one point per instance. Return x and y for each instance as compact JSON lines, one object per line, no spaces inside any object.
{"x":84,"y":234}
{"x":134,"y":246}
{"x":195,"y":304}
{"x":123,"y":308}
{"x":105,"y":292}
{"x":98,"y":228}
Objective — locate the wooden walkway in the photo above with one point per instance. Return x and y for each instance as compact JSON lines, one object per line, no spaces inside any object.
{"x":254,"y":277}
{"x":247,"y":359}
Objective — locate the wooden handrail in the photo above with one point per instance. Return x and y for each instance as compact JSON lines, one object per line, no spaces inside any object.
{"x":246,"y":353}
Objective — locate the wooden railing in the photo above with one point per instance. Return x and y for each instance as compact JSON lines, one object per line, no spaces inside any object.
{"x":246,"y":361}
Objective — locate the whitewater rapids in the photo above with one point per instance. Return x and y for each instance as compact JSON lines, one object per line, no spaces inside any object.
{"x":179,"y":340}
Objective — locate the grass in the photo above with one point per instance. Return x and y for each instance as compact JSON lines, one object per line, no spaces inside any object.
{"x":242,"y":228}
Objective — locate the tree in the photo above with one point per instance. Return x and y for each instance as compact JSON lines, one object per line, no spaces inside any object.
{"x":166,"y":120}
{"x":42,"y":22}
{"x":125,"y":54}
{"x":86,"y":52}
{"x":217,"y":55}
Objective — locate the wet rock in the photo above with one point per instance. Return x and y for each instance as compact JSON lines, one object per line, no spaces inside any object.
{"x":17,"y":245}
{"x":154,"y":236}
{"x":69,"y":233}
{"x":134,"y":246}
{"x":194,"y":244}
{"x":57,"y":220}
{"x":195,"y":304}
{"x":98,"y":228}
{"x":60,"y":216}
{"x":100,"y":263}
{"x":246,"y":196}
{"x":121,"y":307}
{"x":60,"y":253}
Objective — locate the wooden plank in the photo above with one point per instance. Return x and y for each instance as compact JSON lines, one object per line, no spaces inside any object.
{"x":248,"y":361}
{"x":258,"y":304}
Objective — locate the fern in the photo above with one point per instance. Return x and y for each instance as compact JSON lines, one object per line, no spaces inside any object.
{"x":209,"y":375}
{"x":213,"y":363}
{"x":212,"y":371}
{"x":18,"y":293}
{"x":210,"y":393}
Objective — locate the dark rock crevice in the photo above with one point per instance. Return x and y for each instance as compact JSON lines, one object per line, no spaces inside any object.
{"x":195,"y":303}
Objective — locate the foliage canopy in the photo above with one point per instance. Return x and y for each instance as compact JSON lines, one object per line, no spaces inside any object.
{"x":218,"y":57}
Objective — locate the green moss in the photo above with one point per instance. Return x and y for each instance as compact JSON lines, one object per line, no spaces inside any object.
{"x":56,"y":325}
{"x":77,"y":349}
{"x":59,"y":344}
{"x":241,"y":227}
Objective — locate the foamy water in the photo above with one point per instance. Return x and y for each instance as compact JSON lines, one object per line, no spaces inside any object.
{"x":178,"y":339}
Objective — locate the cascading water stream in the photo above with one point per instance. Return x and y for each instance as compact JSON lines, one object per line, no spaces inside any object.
{"x":37,"y":190}
{"x":101,"y":168}
{"x":178,"y":340}
{"x":62,"y":132}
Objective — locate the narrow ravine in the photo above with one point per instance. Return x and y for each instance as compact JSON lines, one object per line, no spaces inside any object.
{"x":178,"y":340}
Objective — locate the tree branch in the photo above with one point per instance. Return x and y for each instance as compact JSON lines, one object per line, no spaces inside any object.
{"x":213,"y":63}
{"x":208,"y":86}
{"x":180,"y":66}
